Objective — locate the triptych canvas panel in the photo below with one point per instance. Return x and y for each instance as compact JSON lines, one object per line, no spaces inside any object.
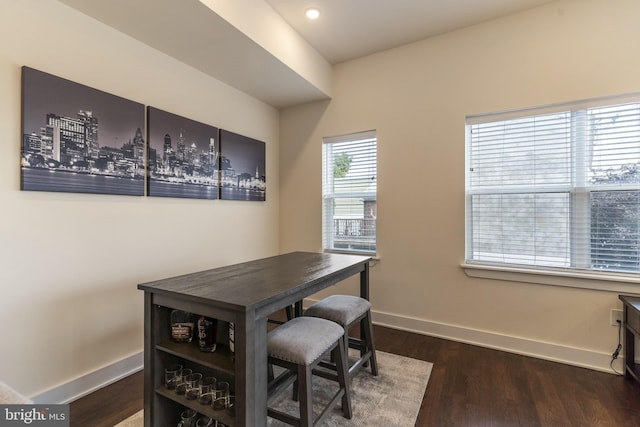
{"x":82,"y":140}
{"x":78,"y":139}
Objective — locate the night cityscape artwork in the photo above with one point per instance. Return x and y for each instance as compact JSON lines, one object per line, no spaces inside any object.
{"x":78,"y":139}
{"x":242,"y":167}
{"x":183,"y":157}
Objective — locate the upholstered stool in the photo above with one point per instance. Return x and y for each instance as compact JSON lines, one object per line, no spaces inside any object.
{"x":347,"y":310}
{"x":298,"y":346}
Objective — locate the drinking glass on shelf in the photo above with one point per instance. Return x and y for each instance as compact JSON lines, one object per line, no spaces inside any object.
{"x":231,"y":406}
{"x":194,"y":382}
{"x":206,"y":390}
{"x":188,"y":418}
{"x":181,"y":386}
{"x":221,"y":396}
{"x":172,"y":375}
{"x":205,"y":422}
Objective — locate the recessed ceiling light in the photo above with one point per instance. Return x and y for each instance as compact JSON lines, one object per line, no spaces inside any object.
{"x":312,"y":13}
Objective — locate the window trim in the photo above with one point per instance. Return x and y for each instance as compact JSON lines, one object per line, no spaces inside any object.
{"x":345,"y":138}
{"x":610,"y":282}
{"x":576,"y":278}
{"x":553,"y":108}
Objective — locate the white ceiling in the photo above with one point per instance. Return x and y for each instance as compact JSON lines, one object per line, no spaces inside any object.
{"x":348,"y":29}
{"x":199,"y":36}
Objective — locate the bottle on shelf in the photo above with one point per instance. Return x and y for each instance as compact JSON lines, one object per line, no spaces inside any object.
{"x":207,"y":332}
{"x":182,"y":326}
{"x":232,"y":338}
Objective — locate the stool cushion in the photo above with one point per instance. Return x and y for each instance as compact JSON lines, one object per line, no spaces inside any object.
{"x":303,"y":340}
{"x":342,"y":309}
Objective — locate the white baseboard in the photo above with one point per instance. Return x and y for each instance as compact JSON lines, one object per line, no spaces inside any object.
{"x":548,"y":351}
{"x":91,"y":382}
{"x":554,"y":352}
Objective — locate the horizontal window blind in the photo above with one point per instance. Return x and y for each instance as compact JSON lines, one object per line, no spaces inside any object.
{"x":349,"y":192}
{"x":555,"y":188}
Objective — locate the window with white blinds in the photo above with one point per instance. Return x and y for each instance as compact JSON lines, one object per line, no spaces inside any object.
{"x":349,"y":192}
{"x":556,"y":188}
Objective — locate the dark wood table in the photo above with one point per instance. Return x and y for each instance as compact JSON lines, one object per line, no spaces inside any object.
{"x":631,"y":328}
{"x":245,"y":294}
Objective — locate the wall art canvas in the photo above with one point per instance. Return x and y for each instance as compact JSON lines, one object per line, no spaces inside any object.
{"x":183,"y":157}
{"x":78,"y":139}
{"x":242,"y":167}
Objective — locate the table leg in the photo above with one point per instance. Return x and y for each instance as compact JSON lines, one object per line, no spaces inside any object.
{"x":364,"y":282}
{"x":251,"y":371}
{"x":364,"y":293}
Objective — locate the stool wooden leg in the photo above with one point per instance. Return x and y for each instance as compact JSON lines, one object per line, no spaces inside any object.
{"x":293,"y":311}
{"x":297,"y":308}
{"x":368,"y":336}
{"x":343,"y":379}
{"x":304,"y":394}
{"x":289,"y":310}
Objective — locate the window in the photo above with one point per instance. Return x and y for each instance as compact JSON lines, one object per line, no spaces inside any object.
{"x":556,"y":188}
{"x":349,"y":188}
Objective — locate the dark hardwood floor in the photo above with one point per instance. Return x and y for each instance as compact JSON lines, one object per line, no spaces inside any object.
{"x":110,"y":405}
{"x":469,"y":386}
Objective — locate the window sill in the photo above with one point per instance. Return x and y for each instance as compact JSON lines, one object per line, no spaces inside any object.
{"x":338,"y":251}
{"x":373,"y":255}
{"x":611,"y":282}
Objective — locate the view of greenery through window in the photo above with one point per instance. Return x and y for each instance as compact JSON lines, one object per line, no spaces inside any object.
{"x":559,"y":189}
{"x":614,"y":230}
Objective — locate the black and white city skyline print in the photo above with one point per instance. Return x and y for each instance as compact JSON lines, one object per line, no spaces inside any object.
{"x":183,"y":156}
{"x":79,"y":139}
{"x":242,"y":167}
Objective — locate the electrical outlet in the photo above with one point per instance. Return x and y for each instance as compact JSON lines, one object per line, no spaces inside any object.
{"x":615,"y":316}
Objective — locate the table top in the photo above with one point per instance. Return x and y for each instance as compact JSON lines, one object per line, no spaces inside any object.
{"x":255,"y":284}
{"x":633,"y":301}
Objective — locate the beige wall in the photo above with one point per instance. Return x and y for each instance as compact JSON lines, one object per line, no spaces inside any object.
{"x":417,"y":97}
{"x":69,"y":264}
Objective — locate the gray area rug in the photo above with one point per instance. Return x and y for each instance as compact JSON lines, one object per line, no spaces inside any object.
{"x":393,"y":398}
{"x":136,"y":420}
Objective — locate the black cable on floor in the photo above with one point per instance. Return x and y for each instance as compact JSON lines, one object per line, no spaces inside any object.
{"x":615,"y":354}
